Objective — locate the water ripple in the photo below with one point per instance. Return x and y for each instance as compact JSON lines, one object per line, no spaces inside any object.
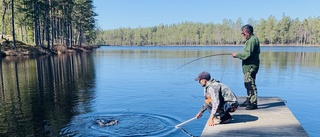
{"x":132,"y":124}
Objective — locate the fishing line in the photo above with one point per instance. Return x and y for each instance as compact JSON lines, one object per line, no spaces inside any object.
{"x":203,"y":58}
{"x":186,"y":132}
{"x":222,"y":73}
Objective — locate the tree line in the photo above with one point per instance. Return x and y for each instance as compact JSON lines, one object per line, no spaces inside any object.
{"x":48,"y":22}
{"x":271,"y":31}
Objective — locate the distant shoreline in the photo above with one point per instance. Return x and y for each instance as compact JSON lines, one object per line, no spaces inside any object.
{"x":262,"y":45}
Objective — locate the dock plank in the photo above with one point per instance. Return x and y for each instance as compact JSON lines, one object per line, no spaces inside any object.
{"x":272,"y":118}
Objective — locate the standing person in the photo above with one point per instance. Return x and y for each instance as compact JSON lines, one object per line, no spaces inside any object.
{"x":219,"y":99}
{"x":250,"y":65}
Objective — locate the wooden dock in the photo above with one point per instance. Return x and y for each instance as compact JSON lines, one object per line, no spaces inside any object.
{"x":272,"y":118}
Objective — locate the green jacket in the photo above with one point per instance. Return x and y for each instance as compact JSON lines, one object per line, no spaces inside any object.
{"x":250,"y":54}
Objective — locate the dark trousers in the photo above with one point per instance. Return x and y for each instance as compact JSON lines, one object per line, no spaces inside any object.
{"x":223,"y":111}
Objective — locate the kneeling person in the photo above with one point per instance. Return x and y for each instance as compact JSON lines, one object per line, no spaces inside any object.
{"x":219,"y":99}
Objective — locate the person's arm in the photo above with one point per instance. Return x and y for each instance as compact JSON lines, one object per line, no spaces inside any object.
{"x":247,"y":51}
{"x":203,"y":109}
{"x":215,"y":103}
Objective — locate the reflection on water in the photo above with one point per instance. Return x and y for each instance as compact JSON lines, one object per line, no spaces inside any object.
{"x":142,"y":88}
{"x":39,"y":96}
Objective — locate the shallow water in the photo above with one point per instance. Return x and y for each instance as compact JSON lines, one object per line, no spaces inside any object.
{"x":143,"y":88}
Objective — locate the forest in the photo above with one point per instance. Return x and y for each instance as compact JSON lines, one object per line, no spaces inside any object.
{"x":72,"y":22}
{"x":48,"y":22}
{"x":270,"y":31}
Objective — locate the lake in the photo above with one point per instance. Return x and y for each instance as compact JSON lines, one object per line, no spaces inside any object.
{"x":148,"y":89}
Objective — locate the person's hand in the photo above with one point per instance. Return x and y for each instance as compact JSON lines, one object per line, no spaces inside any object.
{"x":199,"y":115}
{"x":211,"y":122}
{"x":234,"y":54}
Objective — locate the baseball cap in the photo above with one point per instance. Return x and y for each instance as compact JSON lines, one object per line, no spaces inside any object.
{"x":203,"y":75}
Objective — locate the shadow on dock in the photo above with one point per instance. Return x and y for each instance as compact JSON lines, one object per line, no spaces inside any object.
{"x":242,"y":118}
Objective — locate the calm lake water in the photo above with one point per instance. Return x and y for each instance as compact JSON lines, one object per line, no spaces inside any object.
{"x":143,"y":88}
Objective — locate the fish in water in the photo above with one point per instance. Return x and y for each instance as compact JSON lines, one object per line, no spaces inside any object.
{"x":102,"y":122}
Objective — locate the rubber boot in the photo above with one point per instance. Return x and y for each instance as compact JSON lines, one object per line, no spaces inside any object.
{"x":245,"y":103}
{"x":252,"y":106}
{"x":226,"y":118}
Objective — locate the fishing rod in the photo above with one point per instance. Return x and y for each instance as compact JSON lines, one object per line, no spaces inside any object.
{"x":185,"y":122}
{"x":203,"y":58}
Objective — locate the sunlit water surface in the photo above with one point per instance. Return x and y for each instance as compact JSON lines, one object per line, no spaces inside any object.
{"x":146,"y":89}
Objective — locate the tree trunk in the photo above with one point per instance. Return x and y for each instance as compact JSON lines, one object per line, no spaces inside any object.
{"x":21,"y":33}
{"x":80,"y":36}
{"x":42,"y":28}
{"x":26,"y":33}
{"x":12,"y":20}
{"x":66,"y":34}
{"x":5,"y":6}
{"x":36,"y":23}
{"x":52,"y":26}
{"x":70,"y":35}
{"x":47,"y":26}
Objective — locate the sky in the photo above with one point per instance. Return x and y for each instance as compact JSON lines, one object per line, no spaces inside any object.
{"x":114,"y":14}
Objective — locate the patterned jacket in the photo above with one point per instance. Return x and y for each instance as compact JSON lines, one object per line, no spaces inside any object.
{"x":216,"y":94}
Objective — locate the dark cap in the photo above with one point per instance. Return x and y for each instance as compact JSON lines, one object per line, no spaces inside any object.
{"x":203,"y":75}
